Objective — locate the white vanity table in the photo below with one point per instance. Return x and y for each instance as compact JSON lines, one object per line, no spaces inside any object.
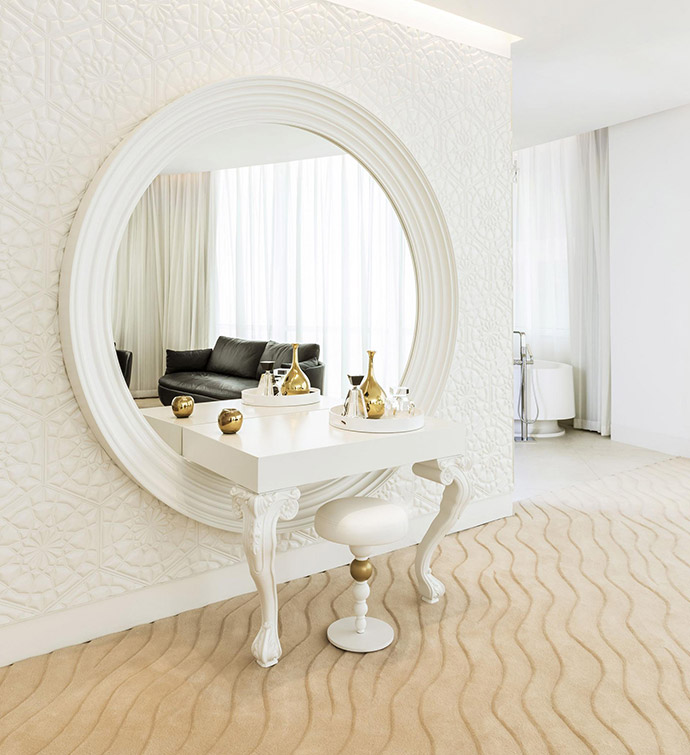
{"x":279,"y":449}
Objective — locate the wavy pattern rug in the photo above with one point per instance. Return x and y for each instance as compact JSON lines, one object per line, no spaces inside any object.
{"x":565,"y":629}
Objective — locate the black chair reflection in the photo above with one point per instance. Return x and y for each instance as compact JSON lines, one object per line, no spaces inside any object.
{"x":124,"y":359}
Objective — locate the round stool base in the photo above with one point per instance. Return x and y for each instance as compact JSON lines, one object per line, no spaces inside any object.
{"x":376,"y":636}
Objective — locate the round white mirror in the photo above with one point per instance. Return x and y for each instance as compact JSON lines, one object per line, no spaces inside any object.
{"x":268,"y":235}
{"x":244,"y":144}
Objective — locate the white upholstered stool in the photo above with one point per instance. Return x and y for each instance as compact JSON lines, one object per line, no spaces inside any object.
{"x":361,"y":523}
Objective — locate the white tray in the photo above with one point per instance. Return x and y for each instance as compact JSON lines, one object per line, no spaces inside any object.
{"x":251,"y":397}
{"x":401,"y":424}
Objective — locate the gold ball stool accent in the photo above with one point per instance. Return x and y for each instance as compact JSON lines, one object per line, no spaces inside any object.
{"x":230,"y":421}
{"x":182,"y":406}
{"x":361,"y":571}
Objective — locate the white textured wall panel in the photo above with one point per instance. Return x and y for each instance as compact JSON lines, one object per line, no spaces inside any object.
{"x":73,"y":527}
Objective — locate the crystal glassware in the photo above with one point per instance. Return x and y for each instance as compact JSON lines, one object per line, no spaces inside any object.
{"x":267,"y":381}
{"x":354,"y":405}
{"x":279,"y":374}
{"x":400,"y":400}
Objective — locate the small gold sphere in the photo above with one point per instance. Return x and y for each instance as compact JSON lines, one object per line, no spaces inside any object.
{"x":361,"y":570}
{"x":230,"y":421}
{"x":182,"y":406}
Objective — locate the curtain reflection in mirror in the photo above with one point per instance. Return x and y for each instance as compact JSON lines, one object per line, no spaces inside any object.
{"x":306,"y":251}
{"x":165,"y":283}
{"x":313,"y":251}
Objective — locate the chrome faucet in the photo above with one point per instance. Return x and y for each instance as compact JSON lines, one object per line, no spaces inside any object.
{"x":525,"y":351}
{"x":525,"y":359}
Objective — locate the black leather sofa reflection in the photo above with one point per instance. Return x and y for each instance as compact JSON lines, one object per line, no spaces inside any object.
{"x":124,"y":359}
{"x":232,"y":365}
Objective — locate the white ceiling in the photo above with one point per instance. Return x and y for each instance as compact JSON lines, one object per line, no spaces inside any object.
{"x":581,"y":64}
{"x":252,"y":145}
{"x":585,"y":64}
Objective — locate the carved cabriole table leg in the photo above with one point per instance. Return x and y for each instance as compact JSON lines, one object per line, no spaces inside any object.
{"x":456,"y":496}
{"x":260,"y":513}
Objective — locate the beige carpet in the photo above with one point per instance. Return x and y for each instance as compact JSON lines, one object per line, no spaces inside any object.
{"x":565,"y":630}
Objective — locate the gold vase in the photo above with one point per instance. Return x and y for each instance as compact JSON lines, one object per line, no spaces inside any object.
{"x":296,"y":382}
{"x":374,"y":395}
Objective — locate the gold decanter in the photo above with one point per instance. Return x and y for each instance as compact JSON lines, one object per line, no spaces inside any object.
{"x":374,"y":395}
{"x":296,"y":382}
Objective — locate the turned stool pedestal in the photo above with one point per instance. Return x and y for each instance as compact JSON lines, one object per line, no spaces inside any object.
{"x":362,"y":524}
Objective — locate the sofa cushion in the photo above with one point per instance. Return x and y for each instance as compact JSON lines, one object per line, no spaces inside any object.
{"x":304,"y":365}
{"x":186,"y":361}
{"x":281,"y":353}
{"x":210,"y":384}
{"x":235,"y":356}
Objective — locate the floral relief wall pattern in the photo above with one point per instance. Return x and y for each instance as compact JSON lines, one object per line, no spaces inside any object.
{"x":79,"y":75}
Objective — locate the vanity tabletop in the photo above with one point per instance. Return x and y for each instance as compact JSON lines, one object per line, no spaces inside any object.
{"x":208,"y":411}
{"x":286,"y":447}
{"x":170,"y":427}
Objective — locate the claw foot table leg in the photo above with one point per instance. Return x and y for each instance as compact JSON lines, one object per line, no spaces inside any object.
{"x":456,"y":496}
{"x":260,"y":513}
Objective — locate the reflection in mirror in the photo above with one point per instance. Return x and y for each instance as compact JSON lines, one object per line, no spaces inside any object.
{"x":266,"y":233}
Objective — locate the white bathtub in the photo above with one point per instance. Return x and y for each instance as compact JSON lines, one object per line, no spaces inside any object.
{"x":552,"y":386}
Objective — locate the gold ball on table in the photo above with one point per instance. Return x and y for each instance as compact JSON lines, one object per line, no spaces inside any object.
{"x":182,"y":406}
{"x":230,"y":421}
{"x":360,"y":571}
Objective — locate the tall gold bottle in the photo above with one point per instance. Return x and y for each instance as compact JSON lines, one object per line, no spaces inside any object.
{"x":374,"y":395}
{"x":296,"y":381}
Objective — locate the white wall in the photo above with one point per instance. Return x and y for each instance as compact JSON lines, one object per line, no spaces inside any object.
{"x":650,"y":281}
{"x":76,"y":533}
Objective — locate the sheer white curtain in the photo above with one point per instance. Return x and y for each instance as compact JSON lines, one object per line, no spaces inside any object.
{"x":540,"y":249}
{"x":164,"y":275}
{"x":312,"y":251}
{"x":561,"y":265}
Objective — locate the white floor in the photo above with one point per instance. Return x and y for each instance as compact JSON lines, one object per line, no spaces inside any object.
{"x":579,"y":456}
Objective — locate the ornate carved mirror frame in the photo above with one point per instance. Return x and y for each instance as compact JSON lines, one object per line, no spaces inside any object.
{"x":89,"y":265}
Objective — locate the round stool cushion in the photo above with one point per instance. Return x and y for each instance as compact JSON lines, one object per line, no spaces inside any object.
{"x":361,"y":521}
